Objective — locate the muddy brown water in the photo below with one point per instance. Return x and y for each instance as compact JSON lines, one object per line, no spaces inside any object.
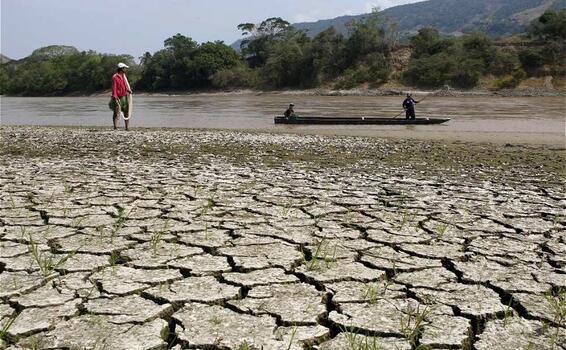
{"x":530,"y":120}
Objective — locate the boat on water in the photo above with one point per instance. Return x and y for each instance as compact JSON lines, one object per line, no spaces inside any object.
{"x":359,"y":121}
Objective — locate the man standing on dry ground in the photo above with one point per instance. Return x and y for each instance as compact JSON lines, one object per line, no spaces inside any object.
{"x":120,"y":90}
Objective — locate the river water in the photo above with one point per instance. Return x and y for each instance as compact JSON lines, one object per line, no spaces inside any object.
{"x":538,"y":120}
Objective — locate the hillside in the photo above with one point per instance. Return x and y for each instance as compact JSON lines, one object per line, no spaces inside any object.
{"x":497,"y":18}
{"x":4,"y":59}
{"x":494,"y":17}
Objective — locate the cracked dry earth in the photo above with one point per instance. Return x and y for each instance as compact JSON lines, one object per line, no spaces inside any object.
{"x":229,"y":240}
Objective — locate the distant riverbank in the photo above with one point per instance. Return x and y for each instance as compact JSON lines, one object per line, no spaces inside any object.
{"x":528,"y":92}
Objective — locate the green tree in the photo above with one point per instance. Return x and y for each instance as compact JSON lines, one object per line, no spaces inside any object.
{"x":549,"y":26}
{"x":260,"y":37}
{"x":59,"y":73}
{"x":460,"y":62}
{"x":429,"y":42}
{"x":367,"y":51}
{"x":290,"y":62}
{"x":531,"y":60}
{"x":367,"y":36}
{"x":184,"y":64}
{"x":328,"y":50}
{"x":210,"y":58}
{"x":549,"y":30}
{"x":503,"y":63}
{"x":4,"y":79}
{"x":52,"y":51}
{"x":236,"y":77}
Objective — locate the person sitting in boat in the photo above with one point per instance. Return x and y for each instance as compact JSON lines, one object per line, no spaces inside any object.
{"x":409,"y":107}
{"x":290,"y":112}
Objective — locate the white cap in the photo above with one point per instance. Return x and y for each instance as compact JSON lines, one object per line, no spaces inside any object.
{"x":122,"y":65}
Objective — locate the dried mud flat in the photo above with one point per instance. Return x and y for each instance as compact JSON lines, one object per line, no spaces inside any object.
{"x":228,"y":240}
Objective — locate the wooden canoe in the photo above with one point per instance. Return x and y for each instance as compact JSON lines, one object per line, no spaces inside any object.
{"x":359,"y":121}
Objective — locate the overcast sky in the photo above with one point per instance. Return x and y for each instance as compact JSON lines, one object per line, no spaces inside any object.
{"x":135,"y":26}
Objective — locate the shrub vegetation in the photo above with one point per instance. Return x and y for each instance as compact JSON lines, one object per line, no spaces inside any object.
{"x":276,"y":55}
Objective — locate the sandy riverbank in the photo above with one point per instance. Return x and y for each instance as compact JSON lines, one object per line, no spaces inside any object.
{"x":555,"y":140}
{"x":398,"y":91}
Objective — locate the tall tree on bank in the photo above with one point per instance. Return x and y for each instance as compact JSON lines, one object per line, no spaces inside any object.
{"x":549,"y":31}
{"x":259,"y":39}
{"x":290,"y":62}
{"x":367,"y":51}
{"x":184,"y":64}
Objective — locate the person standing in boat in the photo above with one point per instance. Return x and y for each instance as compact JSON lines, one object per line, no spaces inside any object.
{"x":290,"y":112}
{"x":409,"y":107}
{"x":120,"y":90}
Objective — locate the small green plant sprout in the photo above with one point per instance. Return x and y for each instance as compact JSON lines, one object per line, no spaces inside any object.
{"x":15,"y":283}
{"x":76,"y":222}
{"x":407,"y":218}
{"x":68,"y":189}
{"x":51,"y":198}
{"x":372,"y":293}
{"x":387,"y":284}
{"x":390,"y":280}
{"x":156,"y":237}
{"x":90,"y":290}
{"x":35,"y":343}
{"x":164,"y":333}
{"x":113,"y":259}
{"x":23,"y":232}
{"x":413,"y":322}
{"x":100,"y":229}
{"x":557,"y":306}
{"x":215,"y":320}
{"x":322,"y":256}
{"x":163,"y":287}
{"x":207,"y":207}
{"x":46,"y":262}
{"x":120,"y":221}
{"x":556,"y":220}
{"x":288,"y":205}
{"x":292,"y":339}
{"x":95,"y":319}
{"x":244,"y":346}
{"x":358,"y":342}
{"x":155,"y":241}
{"x":5,"y":328}
{"x":30,"y":196}
{"x":440,"y":228}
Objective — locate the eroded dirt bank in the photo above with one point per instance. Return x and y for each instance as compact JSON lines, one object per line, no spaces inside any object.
{"x":235,"y":240}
